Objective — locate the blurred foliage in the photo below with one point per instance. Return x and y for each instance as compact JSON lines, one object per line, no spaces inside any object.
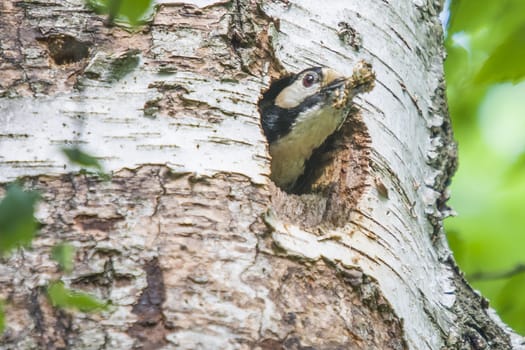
{"x":62,"y":297}
{"x":63,"y":254}
{"x":77,"y":156}
{"x":486,"y":47}
{"x":18,"y":225}
{"x":126,"y":13}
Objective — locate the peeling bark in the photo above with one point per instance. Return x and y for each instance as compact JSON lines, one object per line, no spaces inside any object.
{"x":189,"y":240}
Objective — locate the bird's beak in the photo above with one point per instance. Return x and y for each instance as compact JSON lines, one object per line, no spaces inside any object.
{"x":332,"y":79}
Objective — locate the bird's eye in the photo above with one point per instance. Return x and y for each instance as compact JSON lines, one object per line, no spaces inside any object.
{"x":309,"y":80}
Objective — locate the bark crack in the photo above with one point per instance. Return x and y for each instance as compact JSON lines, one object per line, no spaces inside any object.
{"x":36,"y":314}
{"x":151,"y":328}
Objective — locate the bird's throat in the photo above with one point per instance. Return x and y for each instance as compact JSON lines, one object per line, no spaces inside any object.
{"x":290,"y":153}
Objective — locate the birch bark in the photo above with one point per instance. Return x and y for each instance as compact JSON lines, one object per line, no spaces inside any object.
{"x":190,"y":242}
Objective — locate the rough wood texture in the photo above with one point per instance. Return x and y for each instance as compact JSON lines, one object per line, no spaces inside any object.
{"x":189,"y":241}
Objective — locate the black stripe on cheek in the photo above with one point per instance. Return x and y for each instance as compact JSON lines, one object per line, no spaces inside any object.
{"x":277,"y":122}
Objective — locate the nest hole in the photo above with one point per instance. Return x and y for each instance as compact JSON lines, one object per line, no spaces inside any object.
{"x":334,"y":178}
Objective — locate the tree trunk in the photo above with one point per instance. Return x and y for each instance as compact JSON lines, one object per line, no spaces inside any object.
{"x":189,"y":240}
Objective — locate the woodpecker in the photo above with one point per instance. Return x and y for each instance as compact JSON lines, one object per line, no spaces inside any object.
{"x":300,"y":111}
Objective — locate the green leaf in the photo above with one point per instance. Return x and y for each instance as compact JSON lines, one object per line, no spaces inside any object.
{"x":506,"y":61}
{"x":76,"y":156}
{"x":511,"y":304}
{"x":81,"y":158}
{"x":63,"y":254}
{"x":2,"y":317}
{"x":63,"y":297}
{"x":124,"y":12}
{"x":467,"y":14}
{"x":18,"y":225}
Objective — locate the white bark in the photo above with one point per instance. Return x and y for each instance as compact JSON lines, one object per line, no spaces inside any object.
{"x":176,"y":240}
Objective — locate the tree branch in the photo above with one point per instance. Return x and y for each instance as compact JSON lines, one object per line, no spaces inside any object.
{"x":484,"y":276}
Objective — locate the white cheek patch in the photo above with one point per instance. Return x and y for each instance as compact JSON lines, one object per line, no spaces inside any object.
{"x":292,"y":96}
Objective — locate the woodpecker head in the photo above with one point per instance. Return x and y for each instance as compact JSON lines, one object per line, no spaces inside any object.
{"x":299,"y":112}
{"x":297,"y":96}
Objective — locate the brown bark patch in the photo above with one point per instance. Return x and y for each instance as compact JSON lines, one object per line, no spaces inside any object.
{"x":270,"y":344}
{"x":150,"y":329}
{"x":93,"y":222}
{"x":65,"y":48}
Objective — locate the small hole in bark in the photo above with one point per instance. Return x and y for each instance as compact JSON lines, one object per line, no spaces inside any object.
{"x":65,"y":49}
{"x":236,"y":40}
